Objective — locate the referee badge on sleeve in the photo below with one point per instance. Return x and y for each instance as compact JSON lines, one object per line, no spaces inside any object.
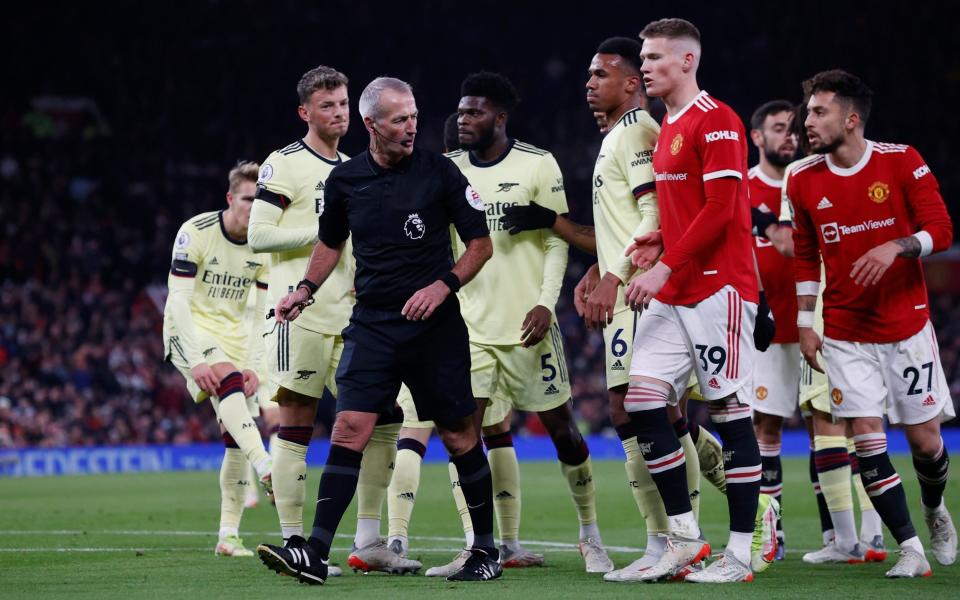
{"x":474,"y":198}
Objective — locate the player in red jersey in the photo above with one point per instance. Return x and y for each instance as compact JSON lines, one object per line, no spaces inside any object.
{"x":871,"y":210}
{"x":776,"y":381}
{"x":701,"y":301}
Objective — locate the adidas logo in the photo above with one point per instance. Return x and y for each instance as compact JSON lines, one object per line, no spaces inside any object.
{"x":214,"y":261}
{"x":243,"y":482}
{"x":551,"y":390}
{"x":407,"y":496}
{"x":714,"y":383}
{"x":645,"y":447}
{"x":824,"y":203}
{"x":727,"y":456}
{"x":248,"y":425}
{"x":319,"y":187}
{"x":504,"y":495}
{"x":771,"y":475}
{"x":617,"y":366}
{"x":929,"y":401}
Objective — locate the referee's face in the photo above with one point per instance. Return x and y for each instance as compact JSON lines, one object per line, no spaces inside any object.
{"x":395,"y":127}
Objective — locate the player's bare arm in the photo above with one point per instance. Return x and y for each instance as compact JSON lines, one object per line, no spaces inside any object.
{"x":869,"y":268}
{"x":323,"y":261}
{"x":810,"y":342}
{"x":426,"y":300}
{"x":645,"y":249}
{"x":582,"y":237}
{"x":584,"y":288}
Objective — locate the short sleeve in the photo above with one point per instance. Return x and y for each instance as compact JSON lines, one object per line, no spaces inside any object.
{"x":275,"y":182}
{"x":635,"y":157}
{"x":721,"y":144}
{"x":550,"y":189}
{"x":334,"y":226}
{"x":464,"y":205}
{"x":188,"y":252}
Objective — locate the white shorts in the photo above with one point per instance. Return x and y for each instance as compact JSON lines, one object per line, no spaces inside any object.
{"x":713,"y":338}
{"x":776,"y":380}
{"x":905,"y":378}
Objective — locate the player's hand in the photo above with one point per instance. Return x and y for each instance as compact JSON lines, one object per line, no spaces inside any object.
{"x":810,"y":344}
{"x":535,"y":326}
{"x":869,"y":268}
{"x":600,"y":303}
{"x":291,"y":305}
{"x":647,"y":285}
{"x":527,"y":218}
{"x":645,"y":249}
{"x":601,"y":118}
{"x":763,"y":327}
{"x":424,"y":301}
{"x":584,"y":288}
{"x":205,"y":379}
{"x":250,"y":383}
{"x":761,"y":220}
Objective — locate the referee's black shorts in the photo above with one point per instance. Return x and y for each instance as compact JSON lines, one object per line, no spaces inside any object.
{"x":382,"y":349}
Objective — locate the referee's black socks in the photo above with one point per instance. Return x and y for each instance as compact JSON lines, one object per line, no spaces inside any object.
{"x":477,"y":487}
{"x":338,"y":483}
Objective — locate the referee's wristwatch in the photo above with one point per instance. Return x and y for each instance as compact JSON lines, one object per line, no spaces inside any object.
{"x":311,"y":287}
{"x":451,"y":281}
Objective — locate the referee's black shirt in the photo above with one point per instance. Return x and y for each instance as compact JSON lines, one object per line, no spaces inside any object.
{"x":400,"y":222}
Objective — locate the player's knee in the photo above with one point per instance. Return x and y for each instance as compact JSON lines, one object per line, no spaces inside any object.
{"x":924,"y":441}
{"x":352,"y":430}
{"x":231,"y":383}
{"x":458,"y":438}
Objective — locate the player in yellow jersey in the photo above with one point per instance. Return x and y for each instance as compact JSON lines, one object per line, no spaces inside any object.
{"x":303,"y":355}
{"x":217,"y":350}
{"x":517,"y":356}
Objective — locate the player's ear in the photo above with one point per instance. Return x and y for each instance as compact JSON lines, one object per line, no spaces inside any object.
{"x":756,"y":136}
{"x":632,"y":84}
{"x":302,"y":111}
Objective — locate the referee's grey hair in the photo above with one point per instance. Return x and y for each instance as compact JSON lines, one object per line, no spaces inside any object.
{"x":370,"y":98}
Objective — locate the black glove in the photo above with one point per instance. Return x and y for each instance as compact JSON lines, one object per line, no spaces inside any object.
{"x":761,"y":220}
{"x":527,"y":218}
{"x":763,"y":328}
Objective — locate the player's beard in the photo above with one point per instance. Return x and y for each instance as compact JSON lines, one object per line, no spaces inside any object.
{"x":826,"y":147}
{"x":777,"y":159}
{"x":482,"y":141}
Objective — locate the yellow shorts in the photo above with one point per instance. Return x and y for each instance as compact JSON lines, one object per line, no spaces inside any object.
{"x":618,"y":345}
{"x":212,"y":354}
{"x":301,"y":360}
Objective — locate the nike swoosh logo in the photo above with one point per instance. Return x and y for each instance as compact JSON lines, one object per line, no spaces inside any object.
{"x":475,"y":507}
{"x":323,"y":500}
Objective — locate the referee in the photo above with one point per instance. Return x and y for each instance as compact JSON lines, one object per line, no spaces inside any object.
{"x":398,"y":203}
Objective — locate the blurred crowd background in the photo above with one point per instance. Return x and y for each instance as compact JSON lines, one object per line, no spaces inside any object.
{"x":120,"y":121}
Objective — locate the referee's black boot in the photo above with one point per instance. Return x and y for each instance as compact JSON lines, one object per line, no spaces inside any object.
{"x":296,"y":559}
{"x":481,"y":566}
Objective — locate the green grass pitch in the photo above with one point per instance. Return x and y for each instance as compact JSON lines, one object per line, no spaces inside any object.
{"x":152,"y":536}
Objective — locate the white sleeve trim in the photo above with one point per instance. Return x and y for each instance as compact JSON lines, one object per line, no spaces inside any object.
{"x":808,"y":288}
{"x":723,"y":173}
{"x":926,"y":242}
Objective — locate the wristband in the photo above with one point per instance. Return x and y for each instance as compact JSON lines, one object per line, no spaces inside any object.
{"x":451,"y":281}
{"x":805,"y":318}
{"x":311,"y":286}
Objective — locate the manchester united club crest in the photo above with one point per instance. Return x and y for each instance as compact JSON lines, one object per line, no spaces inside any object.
{"x":676,"y":144}
{"x":837,"y":396}
{"x":761,"y":393}
{"x":878,"y":192}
